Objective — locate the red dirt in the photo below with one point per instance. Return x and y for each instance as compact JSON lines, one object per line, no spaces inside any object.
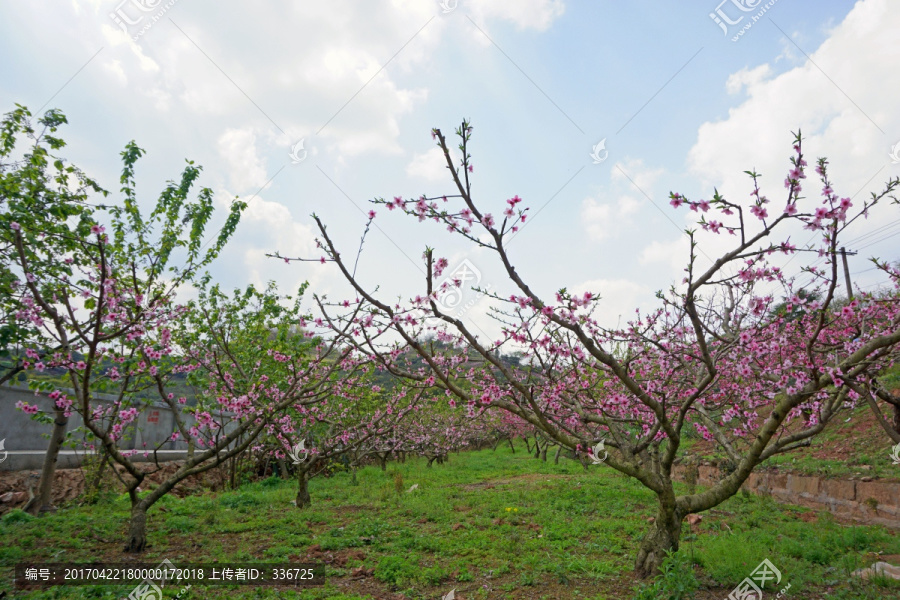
{"x":68,"y":484}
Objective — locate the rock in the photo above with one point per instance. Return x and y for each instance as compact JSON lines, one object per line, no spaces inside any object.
{"x":361,"y":572}
{"x":880,"y":568}
{"x":13,"y":497}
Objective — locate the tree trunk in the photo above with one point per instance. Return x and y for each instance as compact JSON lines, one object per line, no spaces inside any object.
{"x":663,"y":536}
{"x":544,"y":452}
{"x":430,"y":460}
{"x":92,"y":488}
{"x":41,"y":502}
{"x":137,"y":529}
{"x":511,"y":447}
{"x":382,"y":458}
{"x":283,"y":469}
{"x":303,"y":499}
{"x":897,"y":417}
{"x":556,"y":458}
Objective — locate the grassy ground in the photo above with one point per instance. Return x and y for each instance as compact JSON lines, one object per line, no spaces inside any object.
{"x":490,"y":524}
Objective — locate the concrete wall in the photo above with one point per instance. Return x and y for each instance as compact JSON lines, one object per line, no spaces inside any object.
{"x":870,"y":502}
{"x":23,"y":434}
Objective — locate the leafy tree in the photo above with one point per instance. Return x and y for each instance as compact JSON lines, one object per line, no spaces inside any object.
{"x":79,"y":297}
{"x":47,"y":201}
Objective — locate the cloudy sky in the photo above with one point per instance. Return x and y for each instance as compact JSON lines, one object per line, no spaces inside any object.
{"x":682,"y":103}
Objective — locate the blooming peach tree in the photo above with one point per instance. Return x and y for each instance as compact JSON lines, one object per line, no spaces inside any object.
{"x":355,"y":418}
{"x":712,"y":361}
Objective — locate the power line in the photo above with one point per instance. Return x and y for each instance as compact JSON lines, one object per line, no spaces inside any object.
{"x":879,"y":240}
{"x":877,"y":231}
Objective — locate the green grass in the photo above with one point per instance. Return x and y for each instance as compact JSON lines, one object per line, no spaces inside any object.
{"x":490,"y":524}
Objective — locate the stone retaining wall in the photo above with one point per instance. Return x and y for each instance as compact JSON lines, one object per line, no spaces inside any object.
{"x":869,"y":502}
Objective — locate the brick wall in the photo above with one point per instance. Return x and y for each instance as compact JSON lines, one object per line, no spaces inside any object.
{"x":869,"y":502}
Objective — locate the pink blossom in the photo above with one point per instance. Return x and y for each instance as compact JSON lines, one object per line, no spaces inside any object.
{"x":29,"y":409}
{"x":759,"y":211}
{"x":15,"y":226}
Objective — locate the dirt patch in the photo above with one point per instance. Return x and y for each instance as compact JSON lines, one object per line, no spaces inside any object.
{"x":69,"y":484}
{"x":337,"y":558}
{"x":529,"y":477}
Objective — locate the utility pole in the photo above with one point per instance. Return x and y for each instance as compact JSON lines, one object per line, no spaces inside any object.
{"x":847,"y":273}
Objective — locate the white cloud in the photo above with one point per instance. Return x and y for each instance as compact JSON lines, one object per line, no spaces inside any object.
{"x":618,"y":299}
{"x":634,"y":172}
{"x":672,"y":253}
{"x":237,"y":147}
{"x":630,"y":180}
{"x":114,"y":67}
{"x":269,"y":227}
{"x":524,"y":14}
{"x":833,"y":101}
{"x":597,"y":218}
{"x":747,"y":77}
{"x":430,"y":166}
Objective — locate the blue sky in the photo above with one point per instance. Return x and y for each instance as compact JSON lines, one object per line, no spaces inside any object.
{"x":681,"y":106}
